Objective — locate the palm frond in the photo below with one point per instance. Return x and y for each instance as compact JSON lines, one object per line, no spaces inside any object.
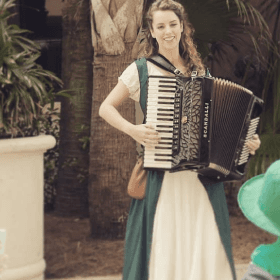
{"x":269,"y":8}
{"x":224,"y":22}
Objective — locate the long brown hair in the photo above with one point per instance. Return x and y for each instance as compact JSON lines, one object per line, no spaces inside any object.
{"x":187,"y":48}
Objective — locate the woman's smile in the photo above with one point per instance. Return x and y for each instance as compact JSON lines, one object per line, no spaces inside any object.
{"x":169,"y":38}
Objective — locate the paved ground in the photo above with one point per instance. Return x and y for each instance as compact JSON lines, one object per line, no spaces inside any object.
{"x":240,"y":270}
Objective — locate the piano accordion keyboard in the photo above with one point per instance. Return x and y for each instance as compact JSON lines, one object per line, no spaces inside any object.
{"x":160,"y":114}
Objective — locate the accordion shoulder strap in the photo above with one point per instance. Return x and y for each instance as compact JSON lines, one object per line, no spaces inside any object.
{"x":143,"y":77}
{"x":162,"y":62}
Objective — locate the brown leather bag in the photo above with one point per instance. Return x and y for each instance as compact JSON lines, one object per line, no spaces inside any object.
{"x":138,"y":180}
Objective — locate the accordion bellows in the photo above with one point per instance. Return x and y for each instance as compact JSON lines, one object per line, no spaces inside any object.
{"x":204,"y":124}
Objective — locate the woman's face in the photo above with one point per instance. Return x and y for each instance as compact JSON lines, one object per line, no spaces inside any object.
{"x":166,"y":29}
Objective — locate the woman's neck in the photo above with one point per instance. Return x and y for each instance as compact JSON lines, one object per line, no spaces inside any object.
{"x":173,"y":56}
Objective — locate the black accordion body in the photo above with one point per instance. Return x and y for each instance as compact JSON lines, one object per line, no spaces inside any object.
{"x":204,"y":124}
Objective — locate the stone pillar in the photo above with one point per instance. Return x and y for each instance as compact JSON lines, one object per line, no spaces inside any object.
{"x":21,"y":205}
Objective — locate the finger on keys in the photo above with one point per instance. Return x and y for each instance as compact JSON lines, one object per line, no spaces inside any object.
{"x":152,"y":129}
{"x":152,"y":140}
{"x":254,"y":142}
{"x":150,"y":126}
{"x":252,"y":147}
{"x":252,"y":152}
{"x":149,"y":145}
{"x":256,"y":139}
{"x":154,"y":136}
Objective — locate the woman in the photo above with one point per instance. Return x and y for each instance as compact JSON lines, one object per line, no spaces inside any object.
{"x":180,"y":230}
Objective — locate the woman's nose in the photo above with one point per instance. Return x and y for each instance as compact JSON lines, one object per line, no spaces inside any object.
{"x":167,"y":29}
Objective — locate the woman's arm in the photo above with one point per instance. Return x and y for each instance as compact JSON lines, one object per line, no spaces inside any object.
{"x":108,"y":109}
{"x":143,"y":133}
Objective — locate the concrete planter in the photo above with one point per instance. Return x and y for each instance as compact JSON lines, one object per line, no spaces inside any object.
{"x":21,"y":205}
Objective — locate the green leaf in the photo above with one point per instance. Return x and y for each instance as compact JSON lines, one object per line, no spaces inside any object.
{"x":5,"y":81}
{"x":10,"y":61}
{"x":66,"y":93}
{"x":31,"y":59}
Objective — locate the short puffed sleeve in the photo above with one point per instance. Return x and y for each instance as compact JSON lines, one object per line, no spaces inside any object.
{"x":130,"y":78}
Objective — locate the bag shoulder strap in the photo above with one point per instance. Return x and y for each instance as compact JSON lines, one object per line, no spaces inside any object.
{"x":143,"y":78}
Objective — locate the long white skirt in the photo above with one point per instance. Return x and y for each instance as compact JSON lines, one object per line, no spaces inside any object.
{"x":186,"y":244}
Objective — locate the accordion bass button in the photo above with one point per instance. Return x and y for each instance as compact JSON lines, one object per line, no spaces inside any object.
{"x":184,"y":119}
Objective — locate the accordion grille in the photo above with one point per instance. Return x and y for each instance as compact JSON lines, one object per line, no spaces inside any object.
{"x":230,"y":111}
{"x":191,"y":106}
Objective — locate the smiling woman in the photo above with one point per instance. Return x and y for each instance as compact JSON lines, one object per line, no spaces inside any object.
{"x":177,"y":215}
{"x":180,"y":230}
{"x":171,"y":16}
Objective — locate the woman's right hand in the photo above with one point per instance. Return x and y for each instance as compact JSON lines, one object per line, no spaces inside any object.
{"x":145,"y":134}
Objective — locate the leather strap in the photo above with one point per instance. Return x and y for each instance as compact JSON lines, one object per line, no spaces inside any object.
{"x":162,"y":62}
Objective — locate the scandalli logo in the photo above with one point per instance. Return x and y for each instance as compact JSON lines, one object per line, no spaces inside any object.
{"x":206,"y":119}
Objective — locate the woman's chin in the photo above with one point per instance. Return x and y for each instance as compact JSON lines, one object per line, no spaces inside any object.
{"x":172,"y":46}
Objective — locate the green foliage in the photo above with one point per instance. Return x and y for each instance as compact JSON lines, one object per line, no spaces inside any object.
{"x":51,"y":156}
{"x":270,"y":118}
{"x":84,"y":139}
{"x":268,"y":153}
{"x":220,"y":24}
{"x":25,"y":87}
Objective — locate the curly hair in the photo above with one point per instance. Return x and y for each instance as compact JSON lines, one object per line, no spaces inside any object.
{"x":187,"y":48}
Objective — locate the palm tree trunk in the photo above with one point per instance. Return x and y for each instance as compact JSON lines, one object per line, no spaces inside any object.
{"x":112,"y":153}
{"x":72,"y":193}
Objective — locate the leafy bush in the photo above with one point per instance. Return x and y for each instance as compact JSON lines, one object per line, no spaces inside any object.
{"x":51,"y":127}
{"x":25,"y":87}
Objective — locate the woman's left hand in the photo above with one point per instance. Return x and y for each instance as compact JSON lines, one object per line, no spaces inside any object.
{"x":254,"y":143}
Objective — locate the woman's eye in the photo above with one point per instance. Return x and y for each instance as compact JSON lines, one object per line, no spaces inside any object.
{"x":174,"y":24}
{"x":160,"y":27}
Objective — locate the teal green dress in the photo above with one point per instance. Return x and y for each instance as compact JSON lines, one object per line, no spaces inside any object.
{"x":142,"y":212}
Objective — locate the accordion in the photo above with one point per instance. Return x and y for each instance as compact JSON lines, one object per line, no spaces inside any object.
{"x":204,"y":124}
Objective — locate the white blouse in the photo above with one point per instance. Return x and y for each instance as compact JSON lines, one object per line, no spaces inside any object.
{"x":130,"y":78}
